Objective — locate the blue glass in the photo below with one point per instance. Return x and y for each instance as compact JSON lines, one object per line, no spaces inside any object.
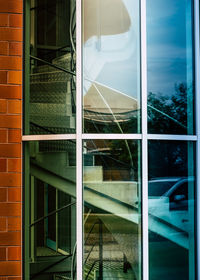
{"x":170,"y":66}
{"x":171,"y":207}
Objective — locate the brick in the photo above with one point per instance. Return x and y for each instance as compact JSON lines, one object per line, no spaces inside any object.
{"x":10,"y":34}
{"x":3,"y":106}
{"x":10,"y":91}
{"x":10,"y":150}
{"x":14,"y":135}
{"x":14,"y":254}
{"x":10,"y":62}
{"x":10,"y":121}
{"x":13,"y":278}
{"x":3,"y":135}
{"x":6,"y":210}
{"x":10,"y":268}
{"x":14,"y":106}
{"x":11,"y":6}
{"x":3,"y":165}
{"x":4,"y":47}
{"x":2,"y":254}
{"x":15,"y":48}
{"x":10,"y":180}
{"x":14,"y":165}
{"x":3,"y":194}
{"x":15,"y":20}
{"x":14,"y":194}
{"x":3,"y":20}
{"x":14,"y":224}
{"x":3,"y":77}
{"x":15,"y":77}
{"x":3,"y":224}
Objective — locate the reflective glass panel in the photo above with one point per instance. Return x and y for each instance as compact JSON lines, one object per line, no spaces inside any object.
{"x":50,"y":190}
{"x":111,"y":66}
{"x":51,"y":88}
{"x":112,"y":209}
{"x":171,"y":210}
{"x":170,"y":66}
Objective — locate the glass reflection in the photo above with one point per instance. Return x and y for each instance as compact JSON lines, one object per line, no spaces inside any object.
{"x":50,"y":98}
{"x":111,"y":66}
{"x":52,"y":208}
{"x":171,"y":210}
{"x":112,"y":215}
{"x":170,"y":66}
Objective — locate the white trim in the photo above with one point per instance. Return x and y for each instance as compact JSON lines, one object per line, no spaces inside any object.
{"x":116,"y":136}
{"x":172,"y":137}
{"x":197,"y":103}
{"x":79,"y":189}
{"x":112,"y":136}
{"x":145,"y":239}
{"x":48,"y":137}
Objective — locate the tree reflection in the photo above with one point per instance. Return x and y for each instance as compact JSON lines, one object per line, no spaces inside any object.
{"x":170,"y":114}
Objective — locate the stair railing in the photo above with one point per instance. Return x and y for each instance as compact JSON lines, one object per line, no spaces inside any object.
{"x":48,"y":267}
{"x":73,"y":264}
{"x":52,"y":213}
{"x":53,"y":65}
{"x":100,"y":261}
{"x":42,"y":219}
{"x":72,"y":32}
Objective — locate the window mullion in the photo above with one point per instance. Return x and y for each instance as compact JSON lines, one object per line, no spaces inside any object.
{"x":145,"y":253}
{"x":79,"y":189}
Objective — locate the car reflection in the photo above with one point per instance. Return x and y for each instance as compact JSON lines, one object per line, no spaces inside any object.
{"x":171,"y":201}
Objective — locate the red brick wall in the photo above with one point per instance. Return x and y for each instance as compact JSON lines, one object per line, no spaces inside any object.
{"x":10,"y":138}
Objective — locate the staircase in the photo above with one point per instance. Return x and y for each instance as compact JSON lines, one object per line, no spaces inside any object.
{"x":51,"y":100}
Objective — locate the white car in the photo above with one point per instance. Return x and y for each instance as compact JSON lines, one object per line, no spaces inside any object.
{"x":171,"y":204}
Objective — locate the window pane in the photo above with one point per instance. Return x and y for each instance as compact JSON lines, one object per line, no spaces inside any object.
{"x":171,"y":210}
{"x":112,"y":213}
{"x":51,"y":93}
{"x":51,"y":208}
{"x":170,"y":66}
{"x":111,"y":66}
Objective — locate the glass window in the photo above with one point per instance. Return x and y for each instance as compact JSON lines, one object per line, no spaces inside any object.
{"x":52,"y":207}
{"x":111,"y":66}
{"x":112,"y":213}
{"x":170,"y":67}
{"x":171,"y":210}
{"x":109,"y":60}
{"x":51,"y":88}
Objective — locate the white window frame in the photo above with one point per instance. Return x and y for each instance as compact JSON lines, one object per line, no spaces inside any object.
{"x":79,"y":136}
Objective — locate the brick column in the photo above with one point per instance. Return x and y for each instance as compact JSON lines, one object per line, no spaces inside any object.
{"x":10,"y":138}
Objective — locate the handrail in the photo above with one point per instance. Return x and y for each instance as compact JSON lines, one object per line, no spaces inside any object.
{"x":53,"y":65}
{"x":48,"y":267}
{"x":63,"y":277}
{"x":166,"y":115}
{"x":48,"y":130}
{"x":95,"y":223}
{"x":51,"y":213}
{"x":72,"y":264}
{"x":91,"y":269}
{"x":74,"y":250}
{"x":42,"y":127}
{"x":70,"y":29}
{"x":90,"y":252}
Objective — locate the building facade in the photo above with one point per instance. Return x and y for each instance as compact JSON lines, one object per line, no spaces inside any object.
{"x":99,"y":170}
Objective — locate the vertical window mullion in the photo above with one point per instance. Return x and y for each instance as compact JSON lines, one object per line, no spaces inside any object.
{"x":197,"y":103}
{"x":79,"y":190}
{"x":145,"y":246}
